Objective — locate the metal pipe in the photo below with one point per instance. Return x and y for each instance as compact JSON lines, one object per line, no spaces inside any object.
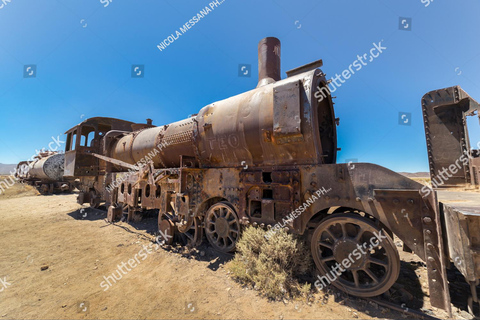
{"x":269,"y":53}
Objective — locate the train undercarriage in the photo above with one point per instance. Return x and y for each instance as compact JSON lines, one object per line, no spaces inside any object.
{"x":342,"y":207}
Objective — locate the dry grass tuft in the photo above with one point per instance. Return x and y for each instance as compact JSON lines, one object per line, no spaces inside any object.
{"x":17,"y":190}
{"x":272,"y":266}
{"x":424,"y":181}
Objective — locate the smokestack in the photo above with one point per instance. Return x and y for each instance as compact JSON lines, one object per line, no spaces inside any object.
{"x":149,"y":122}
{"x":268,"y":61}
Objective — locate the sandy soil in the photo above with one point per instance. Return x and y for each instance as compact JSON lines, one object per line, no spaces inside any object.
{"x":80,"y":248}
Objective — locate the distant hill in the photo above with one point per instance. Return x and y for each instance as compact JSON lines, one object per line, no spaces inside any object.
{"x":415,"y":174}
{"x":7,"y":168}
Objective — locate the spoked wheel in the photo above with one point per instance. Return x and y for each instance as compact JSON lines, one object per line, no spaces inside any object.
{"x":43,"y":189}
{"x":193,"y":236}
{"x":222,"y":227}
{"x":368,"y":259}
{"x":125,"y":211}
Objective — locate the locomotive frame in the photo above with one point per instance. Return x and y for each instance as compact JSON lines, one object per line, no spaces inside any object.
{"x":278,"y":149}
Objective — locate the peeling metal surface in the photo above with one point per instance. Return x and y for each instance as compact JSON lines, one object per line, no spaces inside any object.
{"x":448,"y":142}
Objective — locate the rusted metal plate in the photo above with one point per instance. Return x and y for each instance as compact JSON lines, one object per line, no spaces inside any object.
{"x":435,"y":252}
{"x":446,"y":131}
{"x":286,"y":106}
{"x":461,"y":211}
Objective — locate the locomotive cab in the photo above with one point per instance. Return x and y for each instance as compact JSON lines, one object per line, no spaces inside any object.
{"x":81,"y":165}
{"x":85,"y":139}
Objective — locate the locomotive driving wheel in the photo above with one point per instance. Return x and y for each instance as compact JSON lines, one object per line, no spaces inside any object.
{"x":43,"y":189}
{"x":222,"y":227}
{"x":368,"y":259}
{"x":126,"y":211}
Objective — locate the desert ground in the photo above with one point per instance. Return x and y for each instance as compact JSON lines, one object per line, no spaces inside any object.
{"x":56,"y":253}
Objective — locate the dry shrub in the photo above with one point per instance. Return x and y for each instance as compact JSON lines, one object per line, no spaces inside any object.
{"x":17,"y":190}
{"x":272,"y":266}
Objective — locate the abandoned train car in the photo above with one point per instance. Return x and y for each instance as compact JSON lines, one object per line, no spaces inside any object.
{"x":45,"y":173}
{"x":256,"y":158}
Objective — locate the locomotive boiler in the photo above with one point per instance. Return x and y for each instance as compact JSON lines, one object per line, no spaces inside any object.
{"x":45,"y":172}
{"x":278,"y":123}
{"x":255,"y":159}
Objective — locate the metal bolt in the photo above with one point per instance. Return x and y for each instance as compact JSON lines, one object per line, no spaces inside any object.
{"x":427,"y":219}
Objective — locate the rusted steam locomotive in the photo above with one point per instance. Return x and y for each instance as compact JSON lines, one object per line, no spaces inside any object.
{"x":254,"y":159}
{"x":45,"y":173}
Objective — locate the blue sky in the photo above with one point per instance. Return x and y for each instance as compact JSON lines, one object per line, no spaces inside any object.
{"x":84,"y":52}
